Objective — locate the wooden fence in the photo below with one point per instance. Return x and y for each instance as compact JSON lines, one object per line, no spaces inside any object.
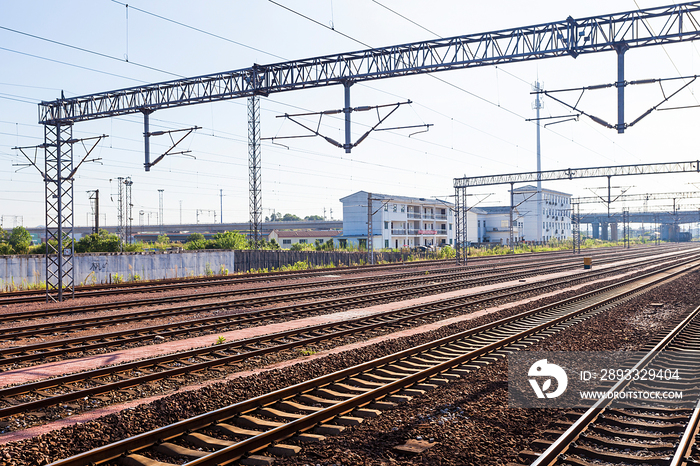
{"x":248,"y":260}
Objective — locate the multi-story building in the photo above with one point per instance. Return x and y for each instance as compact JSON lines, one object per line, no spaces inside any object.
{"x":546,"y":219}
{"x":493,"y":225}
{"x":398,"y":221}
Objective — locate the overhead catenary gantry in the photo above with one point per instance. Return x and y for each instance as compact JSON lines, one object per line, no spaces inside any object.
{"x":570,"y":37}
{"x":461,"y":185}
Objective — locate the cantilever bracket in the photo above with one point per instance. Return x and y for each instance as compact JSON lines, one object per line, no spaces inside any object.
{"x":147,"y":135}
{"x":71,"y":142}
{"x":347,"y":146}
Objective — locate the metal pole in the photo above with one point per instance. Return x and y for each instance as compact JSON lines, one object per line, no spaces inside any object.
{"x":147,"y":140}
{"x":538,"y":106}
{"x":620,"y":84}
{"x":221,"y":207}
{"x":347,"y":110}
{"x":97,"y":211}
{"x":370,"y":256}
{"x":510,"y":223}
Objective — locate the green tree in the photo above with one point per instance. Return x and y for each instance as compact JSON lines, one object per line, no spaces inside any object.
{"x":290,"y":218}
{"x":195,"y":237}
{"x":103,"y":241}
{"x":20,"y":240}
{"x":229,"y":240}
{"x":3,"y":235}
{"x":313,"y":217}
{"x":163,"y":239}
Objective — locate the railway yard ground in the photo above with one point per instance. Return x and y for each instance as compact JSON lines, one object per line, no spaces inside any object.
{"x":375,"y":365}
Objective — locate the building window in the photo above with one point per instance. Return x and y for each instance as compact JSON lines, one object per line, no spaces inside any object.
{"x":450,"y":227}
{"x":450,"y":240}
{"x":320,"y":241}
{"x":386,"y":225}
{"x":302,"y":241}
{"x":403,"y":208}
{"x":386,"y":243}
{"x":286,"y":241}
{"x":386,"y":207}
{"x":394,"y":208}
{"x":343,"y":243}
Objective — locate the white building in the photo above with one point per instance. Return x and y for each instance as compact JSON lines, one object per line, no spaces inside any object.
{"x":549,"y":220}
{"x":398,"y":221}
{"x":493,"y":225}
{"x":287,"y":238}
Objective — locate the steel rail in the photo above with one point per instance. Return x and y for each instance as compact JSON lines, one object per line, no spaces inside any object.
{"x":362,"y":324}
{"x":253,"y":444}
{"x":685,"y":444}
{"x":562,"y":444}
{"x":29,"y":352}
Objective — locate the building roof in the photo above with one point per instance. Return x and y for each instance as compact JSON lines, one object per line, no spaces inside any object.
{"x":497,"y":209}
{"x":530,"y":188}
{"x":307,"y":233}
{"x":404,"y":199}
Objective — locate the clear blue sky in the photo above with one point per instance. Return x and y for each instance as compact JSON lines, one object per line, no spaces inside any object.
{"x":479,"y":123}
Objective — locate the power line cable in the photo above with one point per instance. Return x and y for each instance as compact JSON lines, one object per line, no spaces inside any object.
{"x":198,"y":29}
{"x":99,"y":54}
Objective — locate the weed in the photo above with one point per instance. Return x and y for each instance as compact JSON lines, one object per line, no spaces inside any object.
{"x":220,"y":341}
{"x":307,"y":352}
{"x":223,"y":270}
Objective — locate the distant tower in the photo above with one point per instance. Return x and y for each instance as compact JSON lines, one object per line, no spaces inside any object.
{"x":537,"y":105}
{"x":160,"y":211}
{"x":121,"y":231}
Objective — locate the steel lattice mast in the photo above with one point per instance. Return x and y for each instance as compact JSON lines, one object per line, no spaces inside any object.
{"x":254,"y":182}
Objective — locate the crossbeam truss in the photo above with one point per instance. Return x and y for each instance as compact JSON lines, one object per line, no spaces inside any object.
{"x":572,"y":173}
{"x":461,"y":184}
{"x":570,"y":37}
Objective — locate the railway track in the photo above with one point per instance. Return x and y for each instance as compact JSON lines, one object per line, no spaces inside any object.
{"x":338,"y":287}
{"x":638,"y":431}
{"x":115,"y":289}
{"x":39,"y":395}
{"x":328,"y":404}
{"x":52,"y":350}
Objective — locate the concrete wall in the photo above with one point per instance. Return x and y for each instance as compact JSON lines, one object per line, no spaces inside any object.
{"x":101,"y":267}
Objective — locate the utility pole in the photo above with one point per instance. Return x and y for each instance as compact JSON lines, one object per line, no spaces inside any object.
{"x":221,"y":206}
{"x":538,"y":105}
{"x":129,"y":205}
{"x":120,"y":208}
{"x":180,"y":211}
{"x":370,"y":252}
{"x":95,"y":204}
{"x":160,"y":211}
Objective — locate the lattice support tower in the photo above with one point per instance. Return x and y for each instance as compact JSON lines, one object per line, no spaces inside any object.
{"x":626,"y":232}
{"x":576,"y":227}
{"x":58,"y":182}
{"x":461,"y":236}
{"x":254,"y":181}
{"x":121,"y":224}
{"x":129,"y":218}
